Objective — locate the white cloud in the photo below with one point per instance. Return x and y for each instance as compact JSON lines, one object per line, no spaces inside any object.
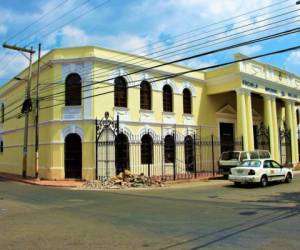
{"x":250,"y":50}
{"x":73,"y":36}
{"x":3,"y":29}
{"x":126,"y":42}
{"x":200,"y":63}
{"x":294,"y":58}
{"x":14,"y":63}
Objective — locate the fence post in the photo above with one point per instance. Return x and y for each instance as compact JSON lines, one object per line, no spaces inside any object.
{"x":96,"y":144}
{"x":280,"y":146}
{"x":269,"y":141}
{"x":213,"y":153}
{"x":242,"y":139}
{"x":174,"y":161}
{"x":149,"y":156}
{"x":195,"y":156}
{"x":162,"y":152}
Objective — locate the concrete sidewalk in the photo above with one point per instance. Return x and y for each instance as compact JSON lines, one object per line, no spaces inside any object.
{"x":37,"y":182}
{"x":78,"y":183}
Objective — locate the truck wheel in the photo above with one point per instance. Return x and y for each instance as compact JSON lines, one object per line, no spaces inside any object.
{"x":237,"y":184}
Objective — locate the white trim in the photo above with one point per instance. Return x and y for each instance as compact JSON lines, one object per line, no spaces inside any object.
{"x":170,"y":82}
{"x":189,"y":86}
{"x":92,"y":121}
{"x":132,"y":66}
{"x":72,"y":129}
{"x":147,"y":129}
{"x":188,"y":131}
{"x":227,"y":112}
{"x":125,"y":130}
{"x":120,"y":71}
{"x":146,"y":115}
{"x":84,"y":70}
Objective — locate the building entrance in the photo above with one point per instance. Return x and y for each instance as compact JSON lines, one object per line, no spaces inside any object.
{"x":226,"y":136}
{"x":73,"y":156}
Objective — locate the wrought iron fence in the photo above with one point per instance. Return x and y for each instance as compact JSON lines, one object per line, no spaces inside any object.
{"x":285,"y":146}
{"x":172,"y":155}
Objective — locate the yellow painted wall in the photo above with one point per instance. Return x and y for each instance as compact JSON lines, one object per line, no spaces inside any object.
{"x":211,"y":95}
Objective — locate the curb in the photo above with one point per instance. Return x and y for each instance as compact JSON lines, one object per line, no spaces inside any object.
{"x":41,"y":183}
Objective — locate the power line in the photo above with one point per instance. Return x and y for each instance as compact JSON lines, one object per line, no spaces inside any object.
{"x":207,"y":43}
{"x":36,"y":21}
{"x":30,"y":25}
{"x":74,"y":19}
{"x":135,"y":51}
{"x":288,"y":32}
{"x":235,"y":34}
{"x":186,"y":72}
{"x":193,"y":70}
{"x":63,"y":93}
{"x":68,"y":12}
{"x":238,"y":16}
{"x":141,"y":59}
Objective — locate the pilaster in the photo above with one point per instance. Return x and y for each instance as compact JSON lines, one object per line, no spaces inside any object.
{"x":276,"y":128}
{"x":291,"y":124}
{"x":242,"y":130}
{"x":249,"y":117}
{"x":268,"y":121}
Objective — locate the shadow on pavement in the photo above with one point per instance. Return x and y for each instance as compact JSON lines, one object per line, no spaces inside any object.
{"x":278,"y":213}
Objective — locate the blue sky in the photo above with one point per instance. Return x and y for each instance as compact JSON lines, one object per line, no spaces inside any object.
{"x":152,"y":25}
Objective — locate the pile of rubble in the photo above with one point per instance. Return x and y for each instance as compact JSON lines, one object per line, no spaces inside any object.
{"x":124,"y":180}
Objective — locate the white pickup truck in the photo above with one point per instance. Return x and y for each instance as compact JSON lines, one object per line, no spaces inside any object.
{"x":231,"y":159}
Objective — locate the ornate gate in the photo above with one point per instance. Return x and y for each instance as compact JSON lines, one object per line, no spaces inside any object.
{"x":263,"y":137}
{"x":106,"y":131}
{"x":285,"y":146}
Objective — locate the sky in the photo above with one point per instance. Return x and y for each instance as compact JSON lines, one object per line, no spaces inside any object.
{"x":161,"y":29}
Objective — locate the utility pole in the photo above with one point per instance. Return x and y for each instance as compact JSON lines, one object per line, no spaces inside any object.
{"x":27,"y":103}
{"x":36,"y":165}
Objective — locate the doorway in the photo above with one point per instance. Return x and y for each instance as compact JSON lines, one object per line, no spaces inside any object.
{"x":226,"y":136}
{"x":73,"y":156}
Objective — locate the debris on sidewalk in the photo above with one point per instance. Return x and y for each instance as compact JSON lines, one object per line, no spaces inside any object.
{"x":124,"y":180}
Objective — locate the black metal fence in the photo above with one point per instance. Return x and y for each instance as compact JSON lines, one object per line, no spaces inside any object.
{"x":174,"y":154}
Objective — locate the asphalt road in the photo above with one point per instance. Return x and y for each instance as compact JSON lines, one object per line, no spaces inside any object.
{"x":211,"y":215}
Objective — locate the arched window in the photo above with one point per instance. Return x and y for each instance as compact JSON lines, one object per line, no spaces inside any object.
{"x":121,"y":153}
{"x":169,"y":149}
{"x":167,"y":98}
{"x":73,"y":90}
{"x":120,"y":92}
{"x":1,"y":146}
{"x":147,"y":149}
{"x":187,"y":101}
{"x":189,"y":153}
{"x":145,"y":95}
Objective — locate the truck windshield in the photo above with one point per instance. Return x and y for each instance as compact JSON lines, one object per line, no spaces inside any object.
{"x":251,"y":163}
{"x":230,"y":156}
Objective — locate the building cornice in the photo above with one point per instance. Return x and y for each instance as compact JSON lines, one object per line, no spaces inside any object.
{"x":123,"y":64}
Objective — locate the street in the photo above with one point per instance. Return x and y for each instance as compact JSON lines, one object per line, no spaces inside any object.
{"x":209,"y":215}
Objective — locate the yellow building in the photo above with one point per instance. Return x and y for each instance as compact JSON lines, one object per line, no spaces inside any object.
{"x":168,"y":126}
